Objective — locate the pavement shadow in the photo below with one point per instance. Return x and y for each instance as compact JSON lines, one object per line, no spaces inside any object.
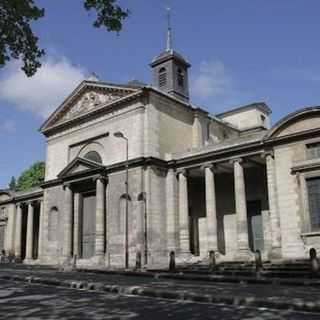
{"x":24,"y":301}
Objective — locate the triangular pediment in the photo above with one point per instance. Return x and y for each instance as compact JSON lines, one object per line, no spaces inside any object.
{"x":78,"y":166}
{"x":87,"y":97}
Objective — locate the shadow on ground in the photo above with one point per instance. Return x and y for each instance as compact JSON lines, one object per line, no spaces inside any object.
{"x":23,"y":301}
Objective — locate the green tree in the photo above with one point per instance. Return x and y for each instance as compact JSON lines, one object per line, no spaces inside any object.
{"x":18,"y":41}
{"x":13,"y":184}
{"x":31,"y":177}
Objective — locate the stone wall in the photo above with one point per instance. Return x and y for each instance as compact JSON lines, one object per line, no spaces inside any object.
{"x":129,"y":121}
{"x":53,"y":222}
{"x":169,"y":127}
{"x":288,"y":201}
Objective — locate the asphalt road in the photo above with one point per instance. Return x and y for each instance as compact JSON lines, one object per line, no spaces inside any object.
{"x":23,"y":301}
{"x":273,"y":292}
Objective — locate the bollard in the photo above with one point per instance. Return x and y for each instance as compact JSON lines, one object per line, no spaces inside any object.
{"x":258,"y":262}
{"x":172,"y":262}
{"x":138,"y":260}
{"x":314,"y":263}
{"x":212,"y":260}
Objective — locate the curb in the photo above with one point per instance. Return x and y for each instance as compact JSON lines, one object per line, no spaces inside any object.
{"x":306,"y":306}
{"x":210,"y":278}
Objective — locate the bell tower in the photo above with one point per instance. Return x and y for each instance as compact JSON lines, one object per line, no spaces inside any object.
{"x":170,"y":70}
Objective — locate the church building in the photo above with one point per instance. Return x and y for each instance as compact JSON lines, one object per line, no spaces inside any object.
{"x":136,"y":171}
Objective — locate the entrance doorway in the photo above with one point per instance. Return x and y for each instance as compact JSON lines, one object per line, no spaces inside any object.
{"x":88,"y":225}
{"x":255,"y":226}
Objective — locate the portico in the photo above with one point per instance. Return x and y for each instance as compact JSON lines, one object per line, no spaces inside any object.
{"x":84,"y":184}
{"x":224,"y":207}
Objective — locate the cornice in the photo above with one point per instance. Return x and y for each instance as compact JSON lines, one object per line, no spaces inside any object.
{"x":306,"y":134}
{"x":109,"y":107}
{"x":79,"y":90}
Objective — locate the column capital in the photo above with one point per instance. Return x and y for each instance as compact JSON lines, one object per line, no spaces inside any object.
{"x":212,"y":166}
{"x":182,"y":171}
{"x":103,"y":179}
{"x":20,"y":205}
{"x":31,"y":203}
{"x":66,"y":185}
{"x":267,"y":153}
{"x":237,"y":160}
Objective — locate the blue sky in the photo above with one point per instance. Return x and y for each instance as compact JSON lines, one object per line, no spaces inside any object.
{"x":240,"y":51}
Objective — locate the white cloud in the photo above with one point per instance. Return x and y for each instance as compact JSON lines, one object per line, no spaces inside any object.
{"x":43,"y":92}
{"x":216,"y":89}
{"x":211,"y":80}
{"x":7,"y":126}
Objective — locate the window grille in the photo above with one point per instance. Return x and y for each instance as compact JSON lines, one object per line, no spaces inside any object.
{"x":180,"y":78}
{"x":162,"y":77}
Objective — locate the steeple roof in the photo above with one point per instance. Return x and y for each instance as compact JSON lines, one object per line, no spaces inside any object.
{"x":168,"y":55}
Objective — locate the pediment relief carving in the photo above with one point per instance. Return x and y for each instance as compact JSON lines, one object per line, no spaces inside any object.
{"x":89,"y":101}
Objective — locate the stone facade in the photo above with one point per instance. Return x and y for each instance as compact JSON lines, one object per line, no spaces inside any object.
{"x":133,"y":170}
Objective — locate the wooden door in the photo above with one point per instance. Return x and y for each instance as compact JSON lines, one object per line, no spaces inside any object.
{"x":88,"y":225}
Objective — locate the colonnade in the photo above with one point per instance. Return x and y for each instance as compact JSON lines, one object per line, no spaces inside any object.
{"x":243,"y":249}
{"x":30,"y":229}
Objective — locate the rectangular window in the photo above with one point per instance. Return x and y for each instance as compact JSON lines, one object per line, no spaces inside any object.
{"x":313,"y":187}
{"x":313,"y":150}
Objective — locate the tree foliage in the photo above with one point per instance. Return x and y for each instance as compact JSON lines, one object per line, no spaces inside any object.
{"x":13,"y":184}
{"x":31,"y":177}
{"x":16,"y":37}
{"x":18,"y":41}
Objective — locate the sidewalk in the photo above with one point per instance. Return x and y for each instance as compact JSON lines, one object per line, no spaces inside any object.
{"x":303,"y":298}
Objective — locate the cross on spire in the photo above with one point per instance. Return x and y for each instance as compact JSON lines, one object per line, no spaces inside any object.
{"x":169,"y":33}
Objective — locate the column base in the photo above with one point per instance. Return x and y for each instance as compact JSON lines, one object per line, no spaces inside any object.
{"x":184,"y":257}
{"x":98,"y":260}
{"x":67,"y":263}
{"x":275,"y":253}
{"x":29,"y":261}
{"x":244,"y":255}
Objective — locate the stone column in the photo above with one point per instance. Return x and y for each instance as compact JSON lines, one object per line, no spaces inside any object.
{"x":273,"y":207}
{"x":171,"y":206}
{"x":68,"y":210}
{"x":100,"y":218}
{"x":241,"y":210}
{"x":184,"y":235}
{"x":30,"y":236}
{"x":10,"y":233}
{"x":18,"y":232}
{"x":212,"y":230}
{"x":76,"y":225}
{"x":41,"y":226}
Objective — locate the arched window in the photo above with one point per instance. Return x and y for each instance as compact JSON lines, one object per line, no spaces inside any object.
{"x":93,"y":156}
{"x":180,"y":78}
{"x":162,"y":77}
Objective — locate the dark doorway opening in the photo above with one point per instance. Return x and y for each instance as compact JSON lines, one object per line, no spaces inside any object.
{"x":255,"y":226}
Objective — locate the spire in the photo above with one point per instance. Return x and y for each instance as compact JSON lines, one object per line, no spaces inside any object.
{"x":169,"y":34}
